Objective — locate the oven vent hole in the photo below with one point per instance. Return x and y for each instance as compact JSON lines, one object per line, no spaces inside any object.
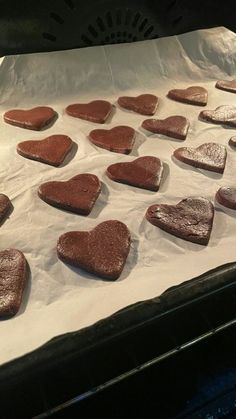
{"x":92,"y":31}
{"x":70,"y":4}
{"x":128,"y":17}
{"x":148,"y":31}
{"x":118,"y":17}
{"x":143,"y":24}
{"x":86,"y":40}
{"x":49,"y":37}
{"x":109,"y":19}
{"x":171,"y":5}
{"x":136,"y":19}
{"x":57,"y":18}
{"x":100,"y":24}
{"x":177,"y":20}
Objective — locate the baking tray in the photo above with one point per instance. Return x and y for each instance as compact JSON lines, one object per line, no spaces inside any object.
{"x":63,"y":299}
{"x":74,"y":366}
{"x":213,"y":292}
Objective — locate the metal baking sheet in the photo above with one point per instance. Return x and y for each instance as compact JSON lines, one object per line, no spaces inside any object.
{"x":60,"y":299}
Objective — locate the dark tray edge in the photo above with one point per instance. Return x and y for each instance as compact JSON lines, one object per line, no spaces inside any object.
{"x":134,"y":316}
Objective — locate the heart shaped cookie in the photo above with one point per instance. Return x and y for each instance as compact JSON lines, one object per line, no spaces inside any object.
{"x":208,"y":156}
{"x":225,"y":114}
{"x":118,"y":139}
{"x":191,"y":219}
{"x":228,"y":85}
{"x":173,"y":126}
{"x":194,"y":95}
{"x":101,"y":251}
{"x":77,"y":194}
{"x":145,"y":104}
{"x":226,"y":196}
{"x":232,"y":141}
{"x":51,"y":150}
{"x":35,"y":118}
{"x":13,"y":276}
{"x":144,"y":172}
{"x":95,"y":111}
{"x":5,"y":206}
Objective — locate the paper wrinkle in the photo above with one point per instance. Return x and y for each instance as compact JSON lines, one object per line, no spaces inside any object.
{"x":60,"y":298}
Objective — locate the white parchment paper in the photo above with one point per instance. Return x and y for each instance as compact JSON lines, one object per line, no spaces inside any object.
{"x":60,"y":299}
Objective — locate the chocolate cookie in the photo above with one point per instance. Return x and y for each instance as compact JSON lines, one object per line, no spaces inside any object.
{"x":144,"y":172}
{"x":144,"y":104}
{"x":228,"y":85}
{"x":95,"y":111}
{"x":35,"y":118}
{"x":194,"y":95}
{"x":77,"y":194}
{"x":208,"y":156}
{"x":51,"y":150}
{"x":191,"y":219}
{"x":118,"y":139}
{"x":232,"y":141}
{"x":173,"y":126}
{"x":226,"y":196}
{"x":225,"y":115}
{"x":13,"y":276}
{"x":101,"y":251}
{"x":5,"y":206}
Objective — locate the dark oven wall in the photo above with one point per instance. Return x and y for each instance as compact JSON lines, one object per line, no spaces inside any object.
{"x":42,"y":25}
